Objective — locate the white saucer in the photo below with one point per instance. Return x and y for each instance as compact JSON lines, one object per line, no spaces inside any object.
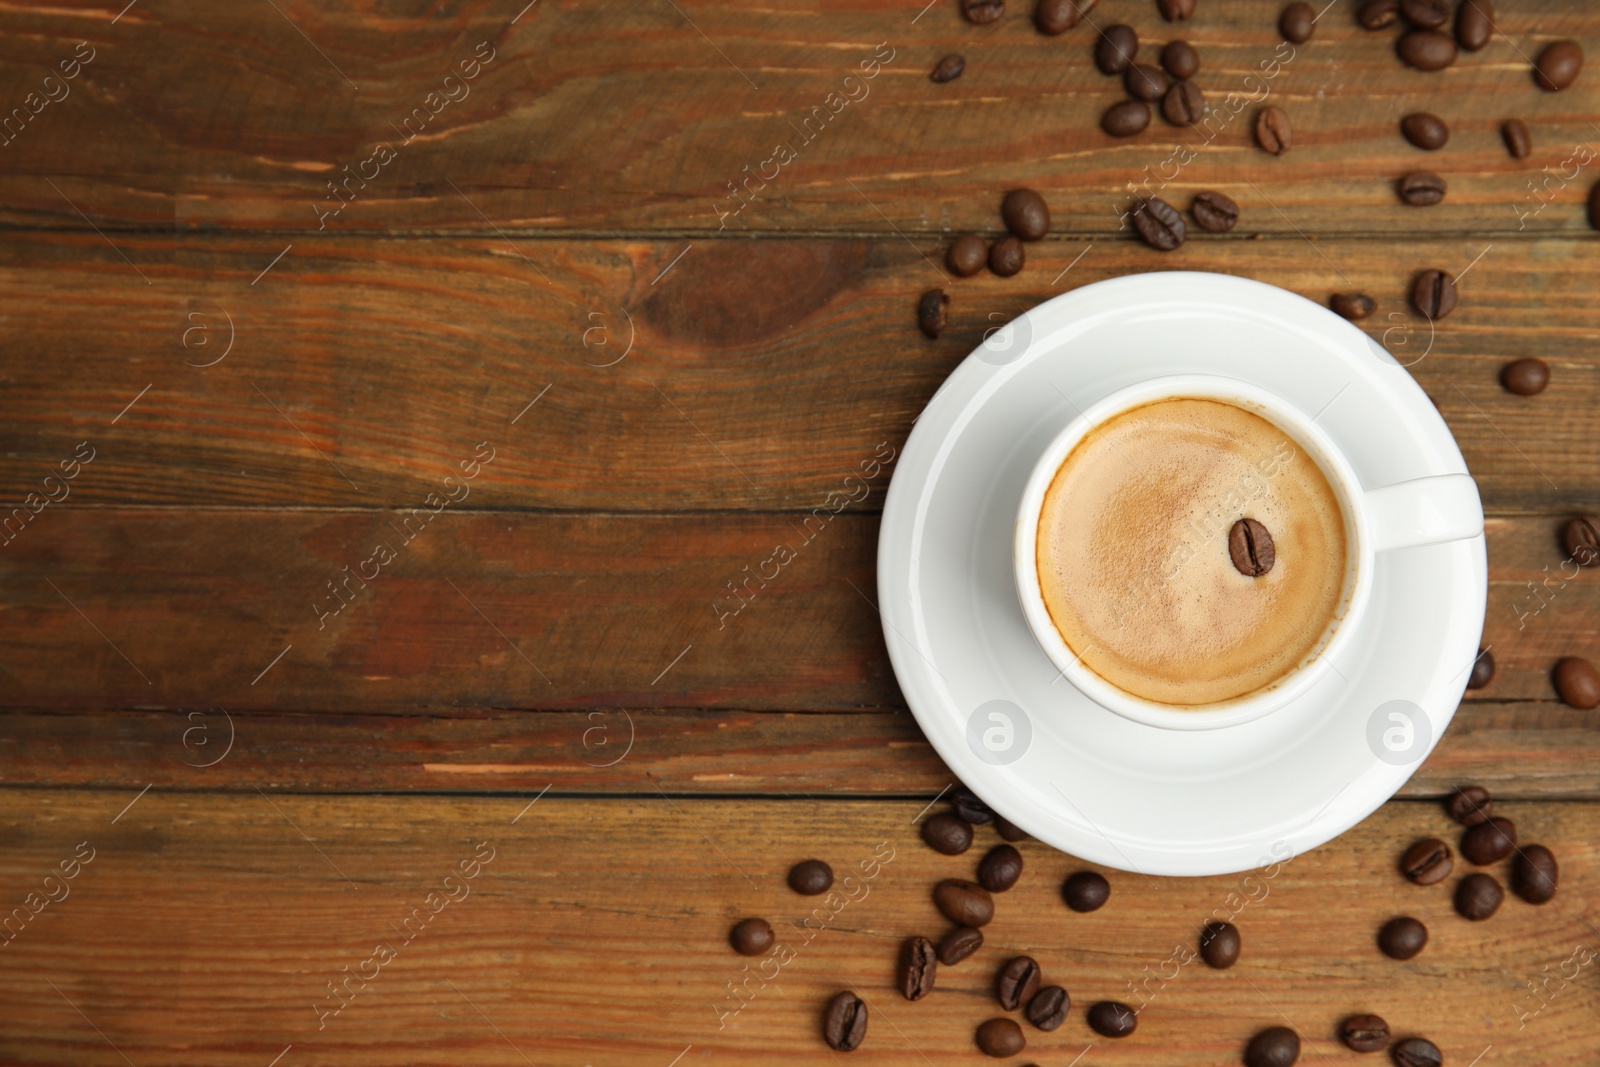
{"x":1082,"y":778}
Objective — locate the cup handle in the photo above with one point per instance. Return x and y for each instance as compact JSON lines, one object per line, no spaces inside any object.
{"x":1426,"y":511}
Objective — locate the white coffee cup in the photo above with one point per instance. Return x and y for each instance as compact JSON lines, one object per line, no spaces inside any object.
{"x":1425,"y":511}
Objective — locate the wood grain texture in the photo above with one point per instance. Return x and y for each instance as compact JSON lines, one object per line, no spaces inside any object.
{"x":626,"y":117}
{"x":761,"y":374}
{"x":576,"y":944}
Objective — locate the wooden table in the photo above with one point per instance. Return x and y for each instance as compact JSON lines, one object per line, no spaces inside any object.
{"x":577,"y":377}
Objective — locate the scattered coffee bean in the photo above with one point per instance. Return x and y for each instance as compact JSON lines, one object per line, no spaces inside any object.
{"x":1428,"y":861}
{"x":1576,"y":682}
{"x":1402,"y":938}
{"x":1513,"y":131}
{"x":1478,"y":896}
{"x":1378,"y":14}
{"x":1006,"y":256}
{"x":1426,"y":14}
{"x":1426,"y":131}
{"x":933,"y":311}
{"x":1421,"y":188}
{"x":1017,"y":982}
{"x":1251,"y":549}
{"x":1433,"y":294}
{"x":1474,"y":24}
{"x":958,"y":944}
{"x":1054,"y":17}
{"x":1427,"y":49}
{"x":1364,"y":1033}
{"x":919,"y":966}
{"x":1272,"y":130}
{"x":1145,"y":82}
{"x":1025,"y":214}
{"x":1108,"y":1018}
{"x":1297,"y":22}
{"x":1219,"y":944}
{"x":1533,"y":874}
{"x":1086,"y":891}
{"x":1048,"y":1008}
{"x":1352,"y":306}
{"x":1416,"y":1052}
{"x":1000,"y":869}
{"x":1489,"y":841}
{"x":947,"y":833}
{"x":1482,"y":671}
{"x":1184,"y":104}
{"x":949,"y":69}
{"x":810,"y":878}
{"x":1470,"y":805}
{"x":1175,"y":10}
{"x":981,"y":12}
{"x":1558,"y":65}
{"x":969,"y":806}
{"x":844,"y":1024}
{"x":1159,"y":223}
{"x":963,"y":903}
{"x":966,"y":256}
{"x":1126,"y":118}
{"x":1276,"y":1046}
{"x":1581,"y":538}
{"x":1180,"y":60}
{"x":1214,"y":212}
{"x":1000,"y":1038}
{"x":1009,"y":831}
{"x":1594,"y":206}
{"x":1525,"y":377}
{"x":1116,"y":48}
{"x":751,"y":937}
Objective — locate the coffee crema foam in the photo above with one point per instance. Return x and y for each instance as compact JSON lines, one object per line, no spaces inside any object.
{"x":1133,"y":552}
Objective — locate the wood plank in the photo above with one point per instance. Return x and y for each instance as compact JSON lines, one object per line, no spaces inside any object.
{"x":627,"y":117}
{"x":761,"y":374}
{"x":596,"y":933}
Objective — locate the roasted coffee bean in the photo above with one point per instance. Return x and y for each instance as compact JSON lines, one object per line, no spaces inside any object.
{"x":1478,"y":896}
{"x":1116,"y":48}
{"x":1421,"y":188}
{"x":963,"y":903}
{"x":1000,"y":1038}
{"x":1251,"y":549}
{"x":1000,"y":869}
{"x":810,"y":878}
{"x":1416,"y":1052}
{"x":1159,"y":223}
{"x":1378,"y":14}
{"x":1428,"y":861}
{"x":1053,"y":17}
{"x":1126,"y":118}
{"x":1482,"y":670}
{"x":1434,"y":294}
{"x":949,"y":69}
{"x":1276,"y":1046}
{"x":1489,"y":841}
{"x":1470,"y":805}
{"x":1402,"y":938}
{"x":980,"y":12}
{"x":751,"y":937}
{"x":919,"y":966}
{"x":1009,"y":831}
{"x":1352,"y":306}
{"x":1006,"y":256}
{"x":1086,"y":891}
{"x":966,"y":256}
{"x":1427,"y":49}
{"x":1426,"y":14}
{"x":1364,"y":1033}
{"x":933,"y":311}
{"x":1048,"y":1008}
{"x":1534,"y":874}
{"x":1576,"y":682}
{"x":844,"y":1024}
{"x":1025,"y":214}
{"x":1426,"y":131}
{"x":958,"y":944}
{"x":1558,"y":65}
{"x":1109,"y":1018}
{"x":1273,"y":133}
{"x":1581,"y":538}
{"x":1219,"y":944}
{"x":1180,"y":60}
{"x":1297,"y":22}
{"x":1184,"y":104}
{"x":1175,"y":10}
{"x":1594,"y":206}
{"x":944,"y":832}
{"x":1474,"y":24}
{"x":969,"y":806}
{"x":1514,"y":132}
{"x":1017,"y":982}
{"x":1214,"y":212}
{"x":1145,"y":82}
{"x":1525,"y":377}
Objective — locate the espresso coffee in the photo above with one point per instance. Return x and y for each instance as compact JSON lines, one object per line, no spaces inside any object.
{"x":1133,"y":552}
